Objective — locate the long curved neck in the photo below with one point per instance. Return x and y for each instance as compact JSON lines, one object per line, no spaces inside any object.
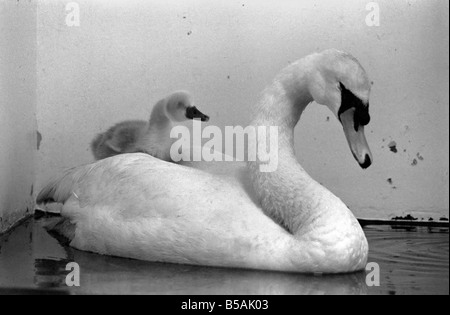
{"x":288,"y":195}
{"x":284,"y":101}
{"x":156,"y":139}
{"x":159,"y":116}
{"x":160,"y":124}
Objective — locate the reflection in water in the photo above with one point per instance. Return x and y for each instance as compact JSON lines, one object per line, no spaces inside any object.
{"x":121,"y":275}
{"x":50,"y":273}
{"x":411,"y":261}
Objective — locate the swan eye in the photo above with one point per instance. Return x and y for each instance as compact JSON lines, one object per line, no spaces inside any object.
{"x":362,"y":116}
{"x":348,"y":101}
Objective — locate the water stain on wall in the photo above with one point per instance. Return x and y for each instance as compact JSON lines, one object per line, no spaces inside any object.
{"x":420,"y":157}
{"x":391,"y":182}
{"x":393,"y":146}
{"x":38,"y":140}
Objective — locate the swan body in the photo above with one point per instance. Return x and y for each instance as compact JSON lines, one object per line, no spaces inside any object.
{"x":151,"y":137}
{"x":229,"y":214}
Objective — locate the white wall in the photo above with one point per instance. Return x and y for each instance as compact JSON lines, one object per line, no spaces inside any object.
{"x":125,"y":55}
{"x":17,"y":110}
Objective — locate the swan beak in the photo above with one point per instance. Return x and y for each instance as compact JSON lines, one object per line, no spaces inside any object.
{"x":356,"y":139}
{"x":193,"y":113}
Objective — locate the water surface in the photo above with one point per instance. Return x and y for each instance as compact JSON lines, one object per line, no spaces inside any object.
{"x":411,"y":260}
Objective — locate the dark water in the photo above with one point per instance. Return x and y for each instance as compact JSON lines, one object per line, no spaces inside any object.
{"x":411,"y":260}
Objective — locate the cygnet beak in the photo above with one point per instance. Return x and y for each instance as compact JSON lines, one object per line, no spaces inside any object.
{"x":193,"y":113}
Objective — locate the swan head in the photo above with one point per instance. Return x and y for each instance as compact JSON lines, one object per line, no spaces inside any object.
{"x":179,"y":108}
{"x":338,"y":81}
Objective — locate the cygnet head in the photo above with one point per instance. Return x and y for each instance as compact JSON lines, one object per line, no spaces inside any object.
{"x":338,"y":81}
{"x":179,"y":108}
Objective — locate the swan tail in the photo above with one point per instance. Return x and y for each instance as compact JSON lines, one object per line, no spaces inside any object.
{"x":61,"y":189}
{"x":58,"y":223}
{"x":58,"y":190}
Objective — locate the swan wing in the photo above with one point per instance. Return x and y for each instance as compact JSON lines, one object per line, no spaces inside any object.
{"x":137,"y":206}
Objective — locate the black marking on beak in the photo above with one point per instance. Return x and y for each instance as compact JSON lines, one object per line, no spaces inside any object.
{"x":348,"y":101}
{"x":367,"y":162}
{"x":193,"y":113}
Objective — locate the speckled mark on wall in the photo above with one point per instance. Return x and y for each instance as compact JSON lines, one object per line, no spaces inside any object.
{"x":405,"y":130}
{"x":393,"y":146}
{"x":38,"y":140}
{"x":391,"y":182}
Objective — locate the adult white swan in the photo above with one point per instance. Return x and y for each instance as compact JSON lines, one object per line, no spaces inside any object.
{"x":137,"y":206}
